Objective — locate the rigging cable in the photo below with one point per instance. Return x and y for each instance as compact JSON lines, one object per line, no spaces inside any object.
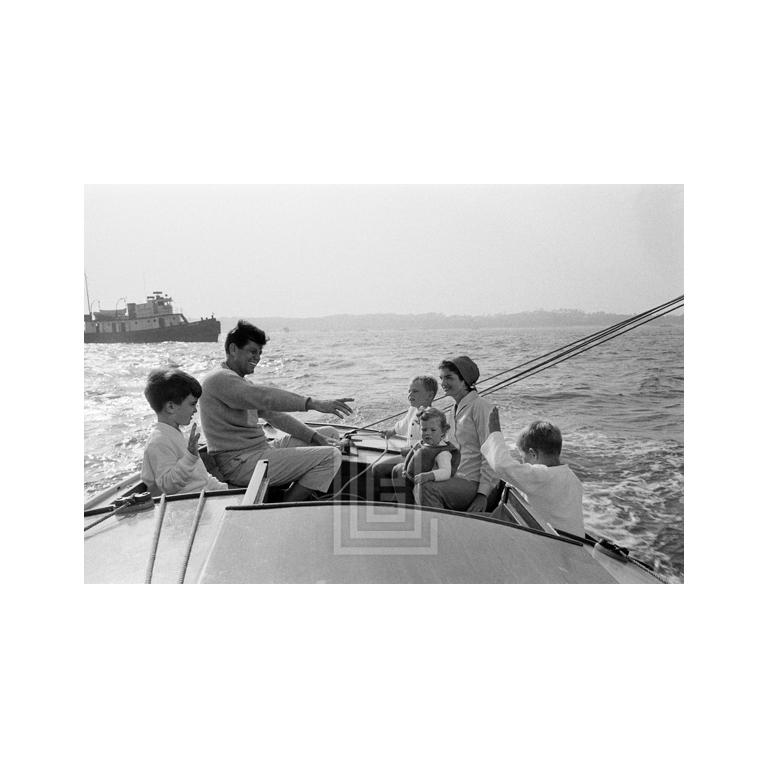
{"x":591,"y":337}
{"x":552,"y":361}
{"x":561,"y":353}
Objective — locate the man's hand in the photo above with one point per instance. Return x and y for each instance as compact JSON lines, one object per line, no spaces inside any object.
{"x":337,"y":407}
{"x":493,"y":420}
{"x":477,"y":507}
{"x":423,"y":477}
{"x":318,"y":439}
{"x":194,"y":436}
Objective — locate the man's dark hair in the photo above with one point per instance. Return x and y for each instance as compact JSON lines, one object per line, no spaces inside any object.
{"x":542,"y":436}
{"x":243,"y":333}
{"x":170,"y":385}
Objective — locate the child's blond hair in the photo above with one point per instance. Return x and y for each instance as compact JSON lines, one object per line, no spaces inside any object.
{"x":434,"y":413}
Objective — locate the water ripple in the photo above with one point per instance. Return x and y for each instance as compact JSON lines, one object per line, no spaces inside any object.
{"x":620,"y":407}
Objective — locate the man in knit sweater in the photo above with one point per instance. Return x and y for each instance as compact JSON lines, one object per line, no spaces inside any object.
{"x":230,"y":407}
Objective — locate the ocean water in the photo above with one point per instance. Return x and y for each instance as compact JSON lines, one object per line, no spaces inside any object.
{"x":619,"y":406}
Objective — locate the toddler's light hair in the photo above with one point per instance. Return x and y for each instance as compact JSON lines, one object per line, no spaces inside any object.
{"x":434,"y":413}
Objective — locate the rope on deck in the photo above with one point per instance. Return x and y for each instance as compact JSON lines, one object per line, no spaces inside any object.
{"x":195,"y":524}
{"x":102,"y":519}
{"x":155,"y":540}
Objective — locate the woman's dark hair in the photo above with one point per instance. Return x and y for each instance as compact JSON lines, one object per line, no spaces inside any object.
{"x":170,"y":385}
{"x":542,"y":436}
{"x":243,"y":333}
{"x":449,"y":366}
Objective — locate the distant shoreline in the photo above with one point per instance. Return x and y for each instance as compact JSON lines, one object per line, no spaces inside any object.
{"x":436,"y":321}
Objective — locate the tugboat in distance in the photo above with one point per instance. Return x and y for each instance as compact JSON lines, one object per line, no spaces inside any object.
{"x":153,"y":321}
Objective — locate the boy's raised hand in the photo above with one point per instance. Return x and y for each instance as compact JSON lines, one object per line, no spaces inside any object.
{"x":194,"y":436}
{"x":493,"y":420}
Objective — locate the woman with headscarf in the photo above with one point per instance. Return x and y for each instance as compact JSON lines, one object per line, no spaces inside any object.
{"x":468,"y":489}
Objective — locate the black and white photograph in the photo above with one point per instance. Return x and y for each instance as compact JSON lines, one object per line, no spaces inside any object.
{"x":406,"y":359}
{"x":384,"y":384}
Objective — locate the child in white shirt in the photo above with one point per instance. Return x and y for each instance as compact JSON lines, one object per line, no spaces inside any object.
{"x":172,"y":463}
{"x":421,"y":393}
{"x":552,"y":489}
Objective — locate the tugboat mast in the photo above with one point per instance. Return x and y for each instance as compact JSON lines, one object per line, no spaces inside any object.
{"x":87,"y":295}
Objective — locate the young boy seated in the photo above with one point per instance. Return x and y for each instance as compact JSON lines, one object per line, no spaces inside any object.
{"x":432,"y":458}
{"x":552,"y":489}
{"x":421,"y":393}
{"x":172,"y":463}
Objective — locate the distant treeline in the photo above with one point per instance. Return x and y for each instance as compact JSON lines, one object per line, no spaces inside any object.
{"x":434,"y":320}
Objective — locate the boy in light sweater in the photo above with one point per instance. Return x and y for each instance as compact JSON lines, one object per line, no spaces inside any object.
{"x":552,"y":489}
{"x":172,"y":463}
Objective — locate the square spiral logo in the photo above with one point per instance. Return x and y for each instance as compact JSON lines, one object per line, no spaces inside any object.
{"x":369,"y":530}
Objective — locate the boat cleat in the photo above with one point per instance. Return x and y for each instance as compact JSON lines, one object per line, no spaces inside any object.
{"x":345,"y":443}
{"x":612,"y":550}
{"x":136,"y":502}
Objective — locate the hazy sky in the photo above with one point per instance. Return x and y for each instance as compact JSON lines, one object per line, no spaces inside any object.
{"x":303,"y":251}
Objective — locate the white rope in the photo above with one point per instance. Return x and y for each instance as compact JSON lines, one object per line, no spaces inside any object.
{"x":195,"y":524}
{"x":155,"y":540}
